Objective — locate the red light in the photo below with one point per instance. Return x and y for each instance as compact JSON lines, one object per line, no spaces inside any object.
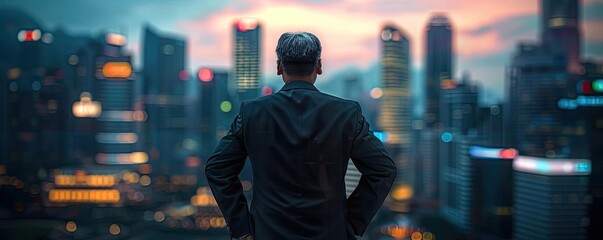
{"x":192,"y":161}
{"x":206,"y":75}
{"x":508,"y":153}
{"x":266,"y":91}
{"x":29,"y":36}
{"x":246,"y":24}
{"x":183,"y":75}
{"x":587,"y":86}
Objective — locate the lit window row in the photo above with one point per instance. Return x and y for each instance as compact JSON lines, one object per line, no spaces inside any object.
{"x":84,"y":195}
{"x":90,"y":180}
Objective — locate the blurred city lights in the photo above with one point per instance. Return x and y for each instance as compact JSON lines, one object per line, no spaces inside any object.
{"x":114,"y":229}
{"x":159,"y":216}
{"x":84,"y":195}
{"x":428,"y":236}
{"x":386,"y":35}
{"x":447,"y":84}
{"x":382,"y":136}
{"x":86,"y":108}
{"x":225,"y":106}
{"x":118,"y":116}
{"x":120,"y":70}
{"x":13,"y":73}
{"x":192,"y":162}
{"x":183,"y":75}
{"x":73,"y":59}
{"x":552,"y":167}
{"x":492,"y":153}
{"x":446,"y":137}
{"x":116,"y":138}
{"x":85,"y":181}
{"x":376,"y":93}
{"x":145,"y":180}
{"x":168,"y":49}
{"x":145,"y":169}
{"x":116,"y":39}
{"x":402,"y":192}
{"x":416,"y":236}
{"x":244,"y":25}
{"x":70,"y":226}
{"x":122,"y":158}
{"x":206,"y":75}
{"x":266,"y":90}
{"x":47,"y":38}
{"x":29,"y":35}
{"x":139,"y":116}
{"x":598,"y":85}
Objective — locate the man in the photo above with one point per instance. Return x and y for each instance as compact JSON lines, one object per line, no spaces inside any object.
{"x":299,"y":141}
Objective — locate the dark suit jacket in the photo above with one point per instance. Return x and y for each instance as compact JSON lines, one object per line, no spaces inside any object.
{"x":299,"y":141}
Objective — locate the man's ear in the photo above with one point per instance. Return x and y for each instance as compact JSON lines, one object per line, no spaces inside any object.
{"x":319,"y":67}
{"x":279,"y":68}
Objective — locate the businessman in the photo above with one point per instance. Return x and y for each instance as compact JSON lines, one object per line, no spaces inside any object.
{"x":299,"y":141}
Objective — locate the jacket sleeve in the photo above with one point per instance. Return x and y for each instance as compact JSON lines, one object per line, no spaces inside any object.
{"x":222,"y":170}
{"x":378,"y":173}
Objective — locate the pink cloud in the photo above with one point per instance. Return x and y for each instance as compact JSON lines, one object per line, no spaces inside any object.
{"x":345,"y":26}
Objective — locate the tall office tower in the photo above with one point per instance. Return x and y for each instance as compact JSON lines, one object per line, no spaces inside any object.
{"x":438,"y":64}
{"x":395,"y":104}
{"x":560,"y":23}
{"x":537,"y":81}
{"x":586,"y":106}
{"x":33,"y":99}
{"x":214,"y":109}
{"x":550,"y":198}
{"x":477,"y":198}
{"x":164,"y":90}
{"x":114,"y":88}
{"x":247,"y":58}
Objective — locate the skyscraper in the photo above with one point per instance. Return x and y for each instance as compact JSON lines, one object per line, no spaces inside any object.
{"x":550,"y":198}
{"x":114,"y":88}
{"x":247,"y":59}
{"x":560,"y":22}
{"x":438,"y":64}
{"x":214,"y":110}
{"x":395,"y":106}
{"x":164,"y":90}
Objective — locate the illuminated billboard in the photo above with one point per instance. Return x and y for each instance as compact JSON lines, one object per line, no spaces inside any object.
{"x":552,"y":167}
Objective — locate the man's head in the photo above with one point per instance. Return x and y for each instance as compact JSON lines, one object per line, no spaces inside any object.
{"x":298,"y":56}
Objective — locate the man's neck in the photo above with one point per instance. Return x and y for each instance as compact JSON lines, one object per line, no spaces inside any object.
{"x":309,"y":78}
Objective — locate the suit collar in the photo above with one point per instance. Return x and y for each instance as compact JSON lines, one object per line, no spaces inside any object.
{"x":298,"y":84}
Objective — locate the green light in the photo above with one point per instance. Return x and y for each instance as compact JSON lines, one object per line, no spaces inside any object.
{"x":225,"y":106}
{"x":598,"y":85}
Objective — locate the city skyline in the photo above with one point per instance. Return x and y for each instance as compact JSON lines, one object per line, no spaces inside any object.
{"x":486,"y":32}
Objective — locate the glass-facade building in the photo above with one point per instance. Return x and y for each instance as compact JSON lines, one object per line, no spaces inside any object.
{"x":247,"y":58}
{"x":395,"y":114}
{"x":550,"y":199}
{"x":438,"y":64}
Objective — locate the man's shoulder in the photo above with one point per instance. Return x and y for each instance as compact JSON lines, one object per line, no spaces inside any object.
{"x":324,"y":97}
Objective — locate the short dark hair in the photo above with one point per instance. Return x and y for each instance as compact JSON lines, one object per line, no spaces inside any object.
{"x":298,"y":53}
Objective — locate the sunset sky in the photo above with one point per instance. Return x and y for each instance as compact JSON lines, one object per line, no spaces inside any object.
{"x":485,"y":31}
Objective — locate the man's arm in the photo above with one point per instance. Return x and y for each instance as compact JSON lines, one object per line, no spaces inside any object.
{"x":222,"y":170}
{"x":378,"y":174}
